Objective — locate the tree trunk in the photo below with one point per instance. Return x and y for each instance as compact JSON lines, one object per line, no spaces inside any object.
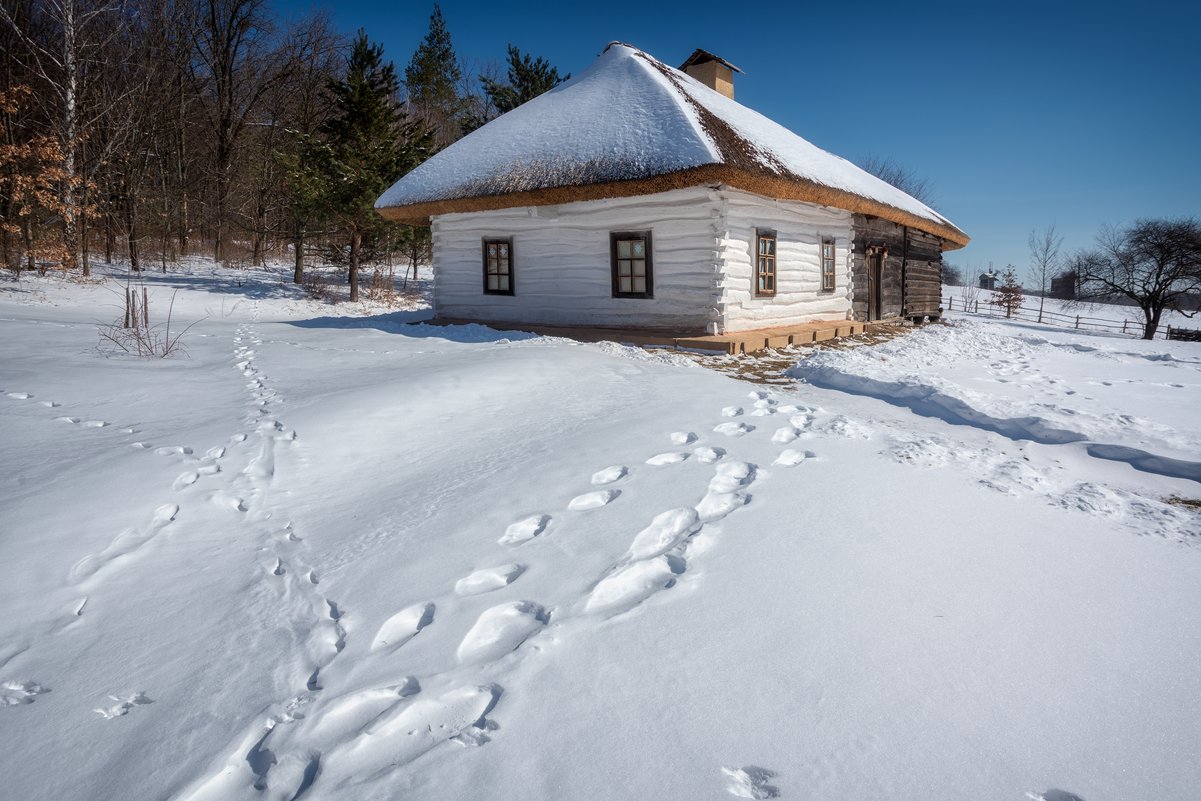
{"x":356,"y":242}
{"x":298,"y":251}
{"x":1152,"y":325}
{"x":135,"y":261}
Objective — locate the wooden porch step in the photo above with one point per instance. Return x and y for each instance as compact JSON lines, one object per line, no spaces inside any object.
{"x":732,"y":343}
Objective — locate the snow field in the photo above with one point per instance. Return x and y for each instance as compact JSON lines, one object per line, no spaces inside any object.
{"x":356,"y":560}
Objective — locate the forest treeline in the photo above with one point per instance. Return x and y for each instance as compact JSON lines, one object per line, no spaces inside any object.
{"x":142,"y":131}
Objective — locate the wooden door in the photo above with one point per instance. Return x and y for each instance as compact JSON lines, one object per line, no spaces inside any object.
{"x":875,"y":280}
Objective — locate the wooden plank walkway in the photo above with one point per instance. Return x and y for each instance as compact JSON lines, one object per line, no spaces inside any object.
{"x":733,"y":343}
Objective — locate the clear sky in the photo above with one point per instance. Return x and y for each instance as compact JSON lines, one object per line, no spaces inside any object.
{"x":1020,"y":114}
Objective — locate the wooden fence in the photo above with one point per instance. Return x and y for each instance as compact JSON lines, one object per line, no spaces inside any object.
{"x":1030,"y":314}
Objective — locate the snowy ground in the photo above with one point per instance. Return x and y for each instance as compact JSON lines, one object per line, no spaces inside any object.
{"x":339,"y":557}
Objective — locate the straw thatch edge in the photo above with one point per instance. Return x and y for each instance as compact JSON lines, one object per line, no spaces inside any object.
{"x":777,"y":187}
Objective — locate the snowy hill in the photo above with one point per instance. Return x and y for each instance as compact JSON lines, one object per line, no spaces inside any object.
{"x":337,"y":557}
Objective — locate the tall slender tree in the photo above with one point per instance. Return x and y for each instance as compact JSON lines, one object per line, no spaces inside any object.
{"x":432,"y":81}
{"x":368,"y":143}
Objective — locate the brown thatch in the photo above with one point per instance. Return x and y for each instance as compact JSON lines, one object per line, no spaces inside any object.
{"x":774,"y":186}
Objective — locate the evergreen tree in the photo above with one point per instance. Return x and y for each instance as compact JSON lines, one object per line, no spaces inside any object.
{"x":432,"y":80}
{"x":1009,"y":296}
{"x":528,"y":78}
{"x":367,"y":144}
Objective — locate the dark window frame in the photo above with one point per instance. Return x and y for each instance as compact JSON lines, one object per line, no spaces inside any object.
{"x":648,"y":268}
{"x":766,"y":235}
{"x":508,"y":272}
{"x":832,"y":272}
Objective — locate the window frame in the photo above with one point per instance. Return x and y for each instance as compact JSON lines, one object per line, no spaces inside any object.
{"x":762,"y":235}
{"x":648,"y":269}
{"x":509,"y":273}
{"x":832,"y":273}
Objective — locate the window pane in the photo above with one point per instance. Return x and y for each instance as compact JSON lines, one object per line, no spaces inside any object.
{"x":639,"y":248}
{"x":623,"y":248}
{"x":624,"y":284}
{"x":771,"y":247}
{"x":623,"y":266}
{"x":640,"y":285}
{"x":503,"y":284}
{"x":491,"y":250}
{"x":493,"y":282}
{"x":503,"y":250}
{"x":639,"y":267}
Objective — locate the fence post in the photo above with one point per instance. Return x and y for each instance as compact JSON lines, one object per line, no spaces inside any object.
{"x":1124,"y":325}
{"x":1077,"y":320}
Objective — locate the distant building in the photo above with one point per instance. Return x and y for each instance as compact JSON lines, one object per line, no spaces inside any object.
{"x":988,"y":281}
{"x":1063,"y":286}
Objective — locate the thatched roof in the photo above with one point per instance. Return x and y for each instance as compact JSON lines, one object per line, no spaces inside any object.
{"x":631,"y":125}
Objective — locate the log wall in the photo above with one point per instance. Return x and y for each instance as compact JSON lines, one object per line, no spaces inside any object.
{"x":562,"y":268}
{"x":911,"y":285}
{"x":799,"y":229}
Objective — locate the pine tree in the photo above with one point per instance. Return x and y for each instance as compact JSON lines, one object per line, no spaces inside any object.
{"x":432,"y":80}
{"x":368,"y":143}
{"x":528,"y":78}
{"x":1009,"y":296}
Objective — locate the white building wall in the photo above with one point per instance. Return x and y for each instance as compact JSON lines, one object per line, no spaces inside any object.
{"x":702,"y":241}
{"x":562,"y":268}
{"x":799,"y":230}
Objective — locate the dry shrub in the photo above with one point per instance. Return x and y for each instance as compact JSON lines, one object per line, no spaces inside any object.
{"x":136,"y":335}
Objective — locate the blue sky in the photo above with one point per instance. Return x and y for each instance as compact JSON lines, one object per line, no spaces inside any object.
{"x":1020,"y":114}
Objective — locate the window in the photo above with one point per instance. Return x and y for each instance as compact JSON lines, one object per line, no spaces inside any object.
{"x":827,"y":264}
{"x":765,"y":270}
{"x":631,"y":252}
{"x":498,"y":266}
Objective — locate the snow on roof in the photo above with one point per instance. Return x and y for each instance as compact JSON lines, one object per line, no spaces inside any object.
{"x":630,"y":124}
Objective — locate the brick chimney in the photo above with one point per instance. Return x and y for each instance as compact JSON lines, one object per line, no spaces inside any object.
{"x":713,"y":71}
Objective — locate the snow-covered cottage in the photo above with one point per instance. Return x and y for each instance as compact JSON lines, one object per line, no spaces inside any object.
{"x":637,"y":195}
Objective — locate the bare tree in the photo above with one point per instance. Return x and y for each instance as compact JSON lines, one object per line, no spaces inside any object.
{"x":237,"y":70}
{"x":890,"y":172}
{"x":1044,"y":261}
{"x":72,"y":53}
{"x":1155,"y":263}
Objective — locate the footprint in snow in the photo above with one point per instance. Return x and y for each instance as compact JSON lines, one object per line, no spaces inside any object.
{"x":791,"y":458}
{"x":629,"y":586}
{"x":186,"y":479}
{"x":404,"y":732}
{"x":56,"y":404}
{"x":488,"y":579}
{"x":17,"y":693}
{"x":18,"y":395}
{"x":228,"y":501}
{"x":750,"y":782}
{"x":71,"y":420}
{"x":708,"y":455}
{"x":403,"y":626}
{"x":665,"y":532}
{"x":524,"y":530}
{"x":732,"y":429}
{"x":215,"y":452}
{"x":501,"y":630}
{"x":123,"y":705}
{"x":683,"y":438}
{"x":785,"y":435}
{"x":726,"y":491}
{"x":661,"y":459}
{"x":731,"y":411}
{"x":173,"y":450}
{"x":94,"y":424}
{"x":592,"y":500}
{"x":609,"y":474}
